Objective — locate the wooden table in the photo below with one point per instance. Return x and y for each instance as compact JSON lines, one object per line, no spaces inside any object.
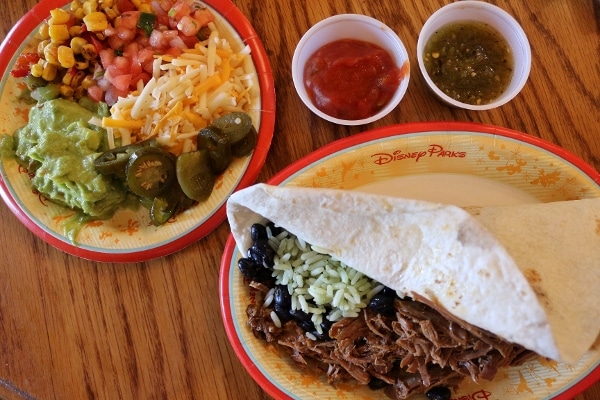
{"x":75,"y":329}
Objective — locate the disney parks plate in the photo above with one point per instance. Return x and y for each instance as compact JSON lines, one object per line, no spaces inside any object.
{"x":459,"y":163}
{"x":130,"y":236}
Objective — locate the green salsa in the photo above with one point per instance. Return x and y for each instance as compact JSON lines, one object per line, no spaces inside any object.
{"x":469,"y":61}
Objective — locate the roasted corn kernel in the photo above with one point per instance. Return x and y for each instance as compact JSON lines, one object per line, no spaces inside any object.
{"x":49,"y":72}
{"x":43,"y":31}
{"x":41,"y":46}
{"x":77,"y":79}
{"x":77,"y":44}
{"x":36,"y":70}
{"x":75,"y":30}
{"x":88,"y":82}
{"x":88,"y":51}
{"x":89,"y":7}
{"x":58,"y":33}
{"x":111,"y":13}
{"x":58,"y":16}
{"x":79,"y":92}
{"x":66,"y":58}
{"x":81,"y":65}
{"x":95,"y":21}
{"x":75,"y":5}
{"x":142,"y":5}
{"x":66,"y":91}
{"x":51,"y":54}
{"x":68,"y":77}
{"x":79,"y":14}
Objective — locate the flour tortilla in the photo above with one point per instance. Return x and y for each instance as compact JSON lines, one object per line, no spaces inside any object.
{"x":527,"y":273}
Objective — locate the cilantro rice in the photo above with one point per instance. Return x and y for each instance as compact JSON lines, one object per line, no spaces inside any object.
{"x":318,"y":283}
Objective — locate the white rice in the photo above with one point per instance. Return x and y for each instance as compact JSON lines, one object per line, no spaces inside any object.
{"x":316,"y":280}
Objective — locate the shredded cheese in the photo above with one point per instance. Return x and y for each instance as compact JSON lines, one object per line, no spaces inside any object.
{"x":184,"y":94}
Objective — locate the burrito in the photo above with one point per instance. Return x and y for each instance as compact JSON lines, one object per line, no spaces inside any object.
{"x":506,"y":282}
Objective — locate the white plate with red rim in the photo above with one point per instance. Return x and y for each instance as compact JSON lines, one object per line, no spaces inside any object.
{"x":453,"y":162}
{"x":129,"y":236}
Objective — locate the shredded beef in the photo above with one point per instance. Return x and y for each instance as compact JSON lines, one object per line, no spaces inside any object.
{"x":417,"y":348}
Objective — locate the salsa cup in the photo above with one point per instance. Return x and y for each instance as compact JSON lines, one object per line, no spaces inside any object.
{"x":504,"y":23}
{"x":350,"y":26}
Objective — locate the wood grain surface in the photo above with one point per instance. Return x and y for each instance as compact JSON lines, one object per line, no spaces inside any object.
{"x":75,"y":329}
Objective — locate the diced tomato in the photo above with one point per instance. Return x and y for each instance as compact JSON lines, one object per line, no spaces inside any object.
{"x":143,"y":41}
{"x":189,"y":41}
{"x":125,"y":6}
{"x":121,"y":82}
{"x":95,"y":93}
{"x":188,"y":26}
{"x":120,"y":66}
{"x":203,"y":16}
{"x":130,"y":49}
{"x":174,"y":51}
{"x":179,"y":9}
{"x":23,"y":64}
{"x":127,"y":20}
{"x":170,"y":34}
{"x":143,"y":76}
{"x":145,"y":56}
{"x":135,"y":66}
{"x":161,"y":15}
{"x":115,"y":42}
{"x":107,"y":57}
{"x":165,"y":5}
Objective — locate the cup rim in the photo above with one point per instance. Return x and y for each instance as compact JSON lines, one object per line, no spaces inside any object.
{"x":508,"y":19}
{"x":398,"y":46}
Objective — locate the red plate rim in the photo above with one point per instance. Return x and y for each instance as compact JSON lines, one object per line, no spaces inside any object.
{"x":19,"y":33}
{"x":362,"y":138}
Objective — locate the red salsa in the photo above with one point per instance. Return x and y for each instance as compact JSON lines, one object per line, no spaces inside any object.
{"x":351,"y":79}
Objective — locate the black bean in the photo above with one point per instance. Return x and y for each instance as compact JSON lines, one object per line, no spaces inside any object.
{"x":382,"y":304}
{"x":439,"y":393}
{"x":299,"y":315}
{"x":251,"y":270}
{"x":247,"y":267}
{"x":283,"y":313}
{"x":307,"y":325}
{"x":264,"y":275}
{"x":258,"y":231}
{"x":388,"y":291}
{"x":326,"y":326}
{"x":282,"y":297}
{"x":275,"y":230}
{"x":262,"y":253}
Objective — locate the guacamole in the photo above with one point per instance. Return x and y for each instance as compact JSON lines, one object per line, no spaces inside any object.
{"x":58,"y":146}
